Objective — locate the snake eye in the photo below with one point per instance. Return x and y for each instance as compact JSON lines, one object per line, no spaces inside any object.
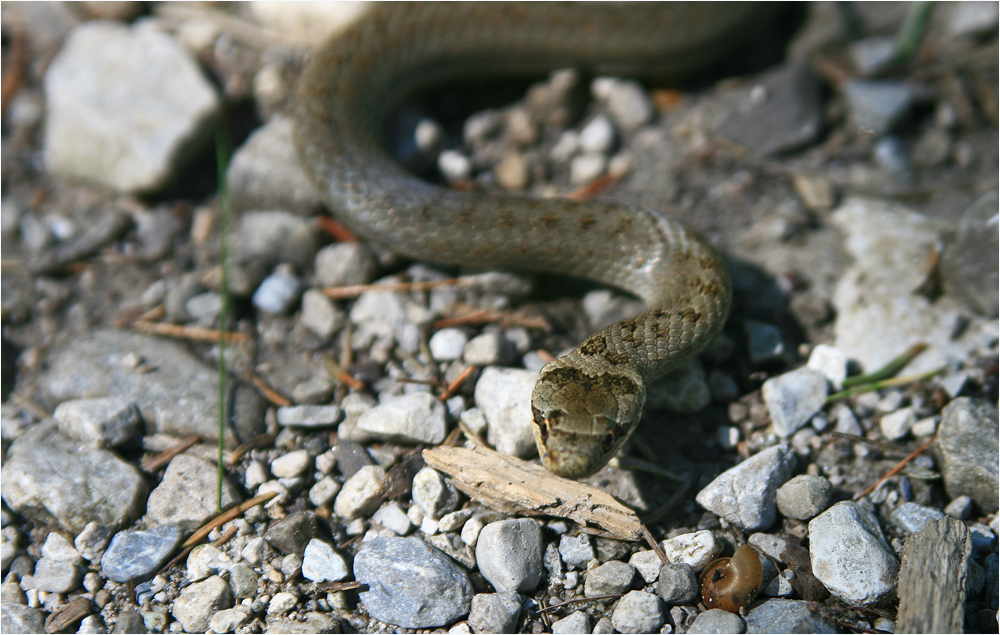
{"x":543,"y":430}
{"x":609,"y":440}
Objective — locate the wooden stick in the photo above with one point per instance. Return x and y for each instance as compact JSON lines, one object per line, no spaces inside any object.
{"x":269,"y":393}
{"x":225,"y":517}
{"x":154,"y":464}
{"x":196,"y":333}
{"x":456,"y":384}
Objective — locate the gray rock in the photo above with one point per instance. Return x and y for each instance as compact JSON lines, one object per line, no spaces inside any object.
{"x":314,"y":623}
{"x":361,"y":494}
{"x":626,"y":101}
{"x":130,"y":622}
{"x":187,"y":493}
{"x":509,"y":554}
{"x":392,"y":517}
{"x":48,"y":477}
{"x":410,"y":584}
{"x":350,"y":456}
{"x":793,"y":398}
{"x":412,"y":418}
{"x":971,"y":18}
{"x":102,"y":422}
{"x":317,"y":389}
{"x":960,"y":508}
{"x":126,"y":106}
{"x":345,"y":264}
{"x":967,"y":444}
{"x":243,"y":581}
{"x":196,"y":603}
{"x":677,"y":584}
{"x":291,"y":465}
{"x":804,"y":496}
{"x":447,"y":344}
{"x":228,"y":620}
{"x":897,"y":425}
{"x":745,"y":495}
{"x":324,"y":491}
{"x":682,"y":390}
{"x":850,"y":556}
{"x":54,"y":576}
{"x":320,"y":563}
{"x":267,"y":238}
{"x":281,"y":603}
{"x":204,"y":308}
{"x":638,"y":612}
{"x":911,"y":517}
{"x":604,"y":307}
{"x":611,"y":578}
{"x":435,"y":495}
{"x":91,"y":542}
{"x":309,"y":416}
{"x":576,"y":550}
{"x":205,"y":560}
{"x":320,"y":315}
{"x":504,"y":397}
{"x":495,"y":612}
{"x":265,"y":173}
{"x":872,"y":55}
{"x":180,"y":398}
{"x":58,"y":547}
{"x":696,"y":549}
{"x":136,"y":555}
{"x":764,"y":341}
{"x":785,"y":616}
{"x":488,"y":349}
{"x":876,"y":105}
{"x":831,"y":362}
{"x":717,"y":621}
{"x":968,"y":266}
{"x":789,"y":116}
{"x":647,"y":564}
{"x":292,"y":534}
{"x":278,"y":292}
{"x":15,"y":618}
{"x":575,"y":622}
{"x":454,"y":547}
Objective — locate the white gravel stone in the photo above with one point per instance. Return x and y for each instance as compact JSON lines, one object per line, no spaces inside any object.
{"x":228,"y":620}
{"x":638,"y":612}
{"x":92,"y":541}
{"x":392,"y":517}
{"x":320,"y":563}
{"x":576,"y":550}
{"x":447,"y":344}
{"x":912,"y":518}
{"x":197,"y":602}
{"x":324,"y":491}
{"x":453,"y":520}
{"x":278,"y":292}
{"x":187,"y":493}
{"x":504,"y":397}
{"x":310,"y":416}
{"x":585,"y":168}
{"x":361,"y":494}
{"x":292,"y":464}
{"x":254,"y":551}
{"x":125,"y":106}
{"x":509,"y":554}
{"x":454,"y":165}
{"x":745,"y":495}
{"x":850,"y":556}
{"x":717,"y":621}
{"x":488,"y":349}
{"x":696,"y":549}
{"x":598,"y":136}
{"x":804,"y":496}
{"x":512,"y":172}
{"x":434,"y":494}
{"x":648,"y":564}
{"x":102,"y":422}
{"x":345,"y":264}
{"x":495,"y":612}
{"x":320,"y":315}
{"x":256,"y":475}
{"x":626,"y":101}
{"x":831,"y":362}
{"x":575,"y":622}
{"x":471,"y":530}
{"x":58,"y":547}
{"x":282,"y":603}
{"x":205,"y":560}
{"x":793,"y":398}
{"x":413,"y":418}
{"x":611,"y":578}
{"x":898,"y":424}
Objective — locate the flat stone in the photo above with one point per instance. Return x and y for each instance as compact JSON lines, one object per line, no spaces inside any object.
{"x":309,"y":416}
{"x":126,"y":106}
{"x":638,"y":612}
{"x":509,"y":554}
{"x":180,"y":398}
{"x":410,"y":584}
{"x":265,"y":172}
{"x":320,"y":315}
{"x":804,"y":496}
{"x":488,"y":349}
{"x":50,"y":478}
{"x":228,"y":620}
{"x":292,"y":534}
{"x":610,"y":578}
{"x":447,"y":344}
{"x":361,"y":494}
{"x":281,"y":603}
{"x":314,"y":622}
{"x":575,"y":622}
{"x":137,"y":555}
{"x":187,"y":493}
{"x":745,"y":495}
{"x":197,"y":602}
{"x":850,"y":556}
{"x":696,"y":549}
{"x":576,"y":550}
{"x":412,"y":418}
{"x":911,"y":517}
{"x":495,"y":612}
{"x":717,"y":621}
{"x":291,"y":465}
{"x":103,"y":422}
{"x":785,"y":616}
{"x":793,"y":398}
{"x":392,"y":517}
{"x":968,"y":447}
{"x":54,"y":576}
{"x":875,"y":106}
{"x":897,"y":425}
{"x":15,"y":618}
{"x":504,"y":397}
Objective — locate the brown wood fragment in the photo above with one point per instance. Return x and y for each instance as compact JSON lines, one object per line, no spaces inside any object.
{"x":513,"y":486}
{"x":932,"y":578}
{"x":68,"y":614}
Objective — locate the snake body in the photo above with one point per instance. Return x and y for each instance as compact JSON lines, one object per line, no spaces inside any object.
{"x":586,"y":404}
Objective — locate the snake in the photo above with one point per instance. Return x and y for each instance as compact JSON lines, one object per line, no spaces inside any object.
{"x":586,"y":404}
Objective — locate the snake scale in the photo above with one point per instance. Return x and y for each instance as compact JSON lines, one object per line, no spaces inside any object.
{"x":586,"y":404}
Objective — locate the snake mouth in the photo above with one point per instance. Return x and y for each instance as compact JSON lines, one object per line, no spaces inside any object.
{"x":570,"y":459}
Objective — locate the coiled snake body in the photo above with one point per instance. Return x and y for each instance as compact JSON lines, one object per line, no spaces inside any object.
{"x":586,"y":404}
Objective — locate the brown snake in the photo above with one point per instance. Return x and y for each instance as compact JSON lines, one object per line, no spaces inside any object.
{"x":586,"y":404}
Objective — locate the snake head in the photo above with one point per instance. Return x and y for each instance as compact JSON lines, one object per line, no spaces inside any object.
{"x":581,"y":421}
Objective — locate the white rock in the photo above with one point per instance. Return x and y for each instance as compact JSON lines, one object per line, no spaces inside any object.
{"x":101,"y":422}
{"x":447,"y":344}
{"x":648,"y":564}
{"x":291,"y":465}
{"x":793,"y":398}
{"x":509,"y":554}
{"x":488,"y":349}
{"x":896,"y":425}
{"x":320,"y":315}
{"x":413,"y":418}
{"x":504,"y":397}
{"x":831,"y":362}
{"x":626,"y":101}
{"x":586,"y":167}
{"x":282,"y":603}
{"x":393,"y":518}
{"x":695,"y":549}
{"x":361,"y":494}
{"x":320,"y":563}
{"x":598,"y":136}
{"x":309,"y":416}
{"x":324,"y":491}
{"x":58,"y":547}
{"x":454,"y":165}
{"x":344,"y":264}
{"x":745,"y":495}
{"x":434,"y":494}
{"x":850,"y":556}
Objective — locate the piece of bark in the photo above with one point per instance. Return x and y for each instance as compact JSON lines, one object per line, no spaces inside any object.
{"x":513,"y":486}
{"x":932,"y":578}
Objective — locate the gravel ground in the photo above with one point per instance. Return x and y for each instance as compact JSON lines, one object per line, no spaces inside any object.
{"x":854,"y":196}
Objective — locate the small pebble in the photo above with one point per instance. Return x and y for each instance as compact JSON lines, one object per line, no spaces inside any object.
{"x":361,"y":494}
{"x":197,"y":602}
{"x":309,"y":416}
{"x":638,"y":612}
{"x":495,"y":612}
{"x":960,"y":508}
{"x":447,"y":344}
{"x":717,"y":621}
{"x":576,"y":550}
{"x":611,"y":578}
{"x":912,"y":518}
{"x":793,"y":398}
{"x":804,"y":496}
{"x":746,"y":494}
{"x":509,"y":553}
{"x":278,"y":292}
{"x":292,"y":464}
{"x":898,"y":424}
{"x":677,"y":584}
{"x":696,"y":549}
{"x":575,"y":622}
{"x":647,"y":563}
